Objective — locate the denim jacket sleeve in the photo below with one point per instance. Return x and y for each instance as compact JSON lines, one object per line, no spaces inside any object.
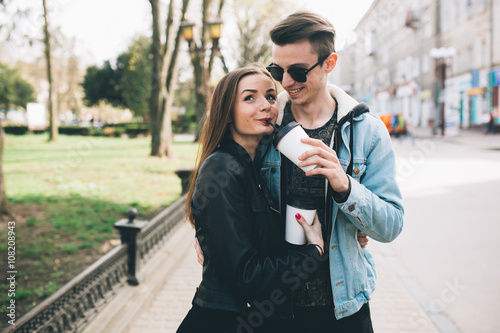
{"x":375,"y":205}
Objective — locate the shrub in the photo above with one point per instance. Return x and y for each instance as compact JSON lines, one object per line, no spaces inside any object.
{"x":16,"y":130}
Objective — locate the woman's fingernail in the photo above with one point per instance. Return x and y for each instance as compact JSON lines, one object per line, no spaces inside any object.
{"x":297,"y":216}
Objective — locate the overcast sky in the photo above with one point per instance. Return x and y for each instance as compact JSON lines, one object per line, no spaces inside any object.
{"x":104,"y":28}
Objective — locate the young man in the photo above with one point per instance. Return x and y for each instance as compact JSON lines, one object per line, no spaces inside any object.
{"x":354,"y":188}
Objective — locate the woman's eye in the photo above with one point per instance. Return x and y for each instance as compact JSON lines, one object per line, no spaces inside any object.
{"x":248,"y":98}
{"x":271,"y":97}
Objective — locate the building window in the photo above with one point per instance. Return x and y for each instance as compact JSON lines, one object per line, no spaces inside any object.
{"x":484,"y":54}
{"x":458,"y":64}
{"x":425,"y":63}
{"x":469,"y":58}
{"x":427,"y":26}
{"x":468,"y":8}
{"x":415,"y":68}
{"x":480,"y":6}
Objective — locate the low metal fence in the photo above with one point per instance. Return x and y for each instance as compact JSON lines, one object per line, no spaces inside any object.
{"x":73,"y":306}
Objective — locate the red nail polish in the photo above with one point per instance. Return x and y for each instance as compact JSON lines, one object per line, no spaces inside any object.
{"x":297,"y":216}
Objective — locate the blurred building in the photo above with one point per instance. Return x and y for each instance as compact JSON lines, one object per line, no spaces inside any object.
{"x":425,"y":60}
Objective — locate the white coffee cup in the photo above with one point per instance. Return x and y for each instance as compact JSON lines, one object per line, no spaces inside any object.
{"x":287,"y":141}
{"x":294,"y":233}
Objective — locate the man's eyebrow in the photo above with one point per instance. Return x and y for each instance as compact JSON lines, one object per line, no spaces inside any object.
{"x":299,"y":64}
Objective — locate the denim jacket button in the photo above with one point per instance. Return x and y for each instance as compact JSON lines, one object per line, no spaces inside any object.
{"x":351,"y":207}
{"x":356,"y":170}
{"x":273,"y":170}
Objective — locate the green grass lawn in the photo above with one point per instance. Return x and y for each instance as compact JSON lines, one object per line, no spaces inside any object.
{"x":67,"y":195}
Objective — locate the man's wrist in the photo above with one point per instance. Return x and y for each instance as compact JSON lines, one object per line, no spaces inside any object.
{"x":341,"y":197}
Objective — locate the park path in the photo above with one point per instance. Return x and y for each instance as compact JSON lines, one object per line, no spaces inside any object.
{"x":168,"y":282}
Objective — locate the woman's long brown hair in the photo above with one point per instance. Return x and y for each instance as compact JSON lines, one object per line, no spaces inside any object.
{"x":215,"y":127}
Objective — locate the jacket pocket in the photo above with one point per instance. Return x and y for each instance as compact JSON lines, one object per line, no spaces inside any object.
{"x":358,"y":170}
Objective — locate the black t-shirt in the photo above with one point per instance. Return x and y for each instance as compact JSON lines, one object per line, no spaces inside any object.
{"x":317,"y":291}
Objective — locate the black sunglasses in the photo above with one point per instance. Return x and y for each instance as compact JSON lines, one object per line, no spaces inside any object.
{"x":298,"y":74}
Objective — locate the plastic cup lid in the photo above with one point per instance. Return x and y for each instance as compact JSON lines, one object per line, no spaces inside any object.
{"x":284,"y":131}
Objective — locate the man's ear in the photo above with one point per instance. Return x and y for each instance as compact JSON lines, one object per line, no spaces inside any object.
{"x":331,"y":62}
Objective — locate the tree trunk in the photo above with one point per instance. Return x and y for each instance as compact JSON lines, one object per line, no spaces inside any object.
{"x":203,"y":69}
{"x":199,"y":91}
{"x":164,"y":75}
{"x":4,"y":206}
{"x":54,"y":132}
{"x":157,"y":92}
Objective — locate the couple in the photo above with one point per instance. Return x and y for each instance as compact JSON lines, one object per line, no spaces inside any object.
{"x":253,"y":281}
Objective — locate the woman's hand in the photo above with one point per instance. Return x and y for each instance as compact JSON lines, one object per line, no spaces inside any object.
{"x":313,"y":231}
{"x":199,"y":252}
{"x":362,"y":239}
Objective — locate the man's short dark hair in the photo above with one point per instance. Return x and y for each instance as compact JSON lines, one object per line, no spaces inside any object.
{"x":301,"y":25}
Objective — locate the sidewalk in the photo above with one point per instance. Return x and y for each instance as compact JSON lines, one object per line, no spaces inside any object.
{"x":169,"y":280}
{"x":475,"y":137}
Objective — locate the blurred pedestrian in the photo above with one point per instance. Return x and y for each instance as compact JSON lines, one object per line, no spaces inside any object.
{"x":408,"y":131}
{"x":491,"y":124}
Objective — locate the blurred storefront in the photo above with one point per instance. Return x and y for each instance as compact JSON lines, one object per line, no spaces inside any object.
{"x":390,"y":65}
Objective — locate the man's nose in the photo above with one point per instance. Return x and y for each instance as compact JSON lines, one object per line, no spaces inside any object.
{"x":287,"y":80}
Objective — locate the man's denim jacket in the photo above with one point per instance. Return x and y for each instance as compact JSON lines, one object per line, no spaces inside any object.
{"x":374,"y":205}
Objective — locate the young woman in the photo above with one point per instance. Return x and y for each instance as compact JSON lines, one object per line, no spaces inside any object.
{"x":247,"y":268}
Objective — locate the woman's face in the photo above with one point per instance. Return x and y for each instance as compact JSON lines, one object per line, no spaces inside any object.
{"x":255,"y":103}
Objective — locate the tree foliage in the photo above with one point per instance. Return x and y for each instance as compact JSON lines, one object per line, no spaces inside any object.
{"x":128,"y":84}
{"x":254,"y":19}
{"x":135,"y":74}
{"x":14,"y":90}
{"x":102,"y":84}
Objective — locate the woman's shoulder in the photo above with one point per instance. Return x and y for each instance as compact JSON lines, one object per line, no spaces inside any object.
{"x":219,"y":162}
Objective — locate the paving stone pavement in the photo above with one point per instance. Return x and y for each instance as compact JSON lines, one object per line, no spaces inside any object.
{"x":472,"y":137}
{"x":161,"y":306}
{"x":169,"y":306}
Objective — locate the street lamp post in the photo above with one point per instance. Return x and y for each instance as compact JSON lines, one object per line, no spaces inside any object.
{"x":201,"y":68}
{"x":442,"y":56}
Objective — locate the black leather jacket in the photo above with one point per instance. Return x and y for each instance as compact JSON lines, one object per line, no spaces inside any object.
{"x":245,"y":254}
